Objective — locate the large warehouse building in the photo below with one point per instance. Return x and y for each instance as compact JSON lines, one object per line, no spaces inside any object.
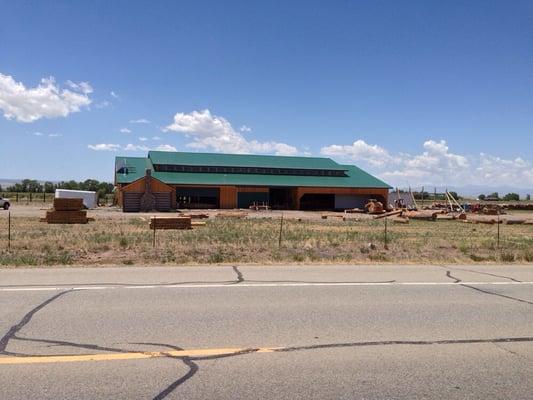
{"x":201,"y":180}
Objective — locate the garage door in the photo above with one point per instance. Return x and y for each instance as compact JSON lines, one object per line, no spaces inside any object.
{"x":344,"y":201}
{"x":163,"y":201}
{"x":131,"y":202}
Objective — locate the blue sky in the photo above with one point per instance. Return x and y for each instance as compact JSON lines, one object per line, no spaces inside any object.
{"x":415,"y":92}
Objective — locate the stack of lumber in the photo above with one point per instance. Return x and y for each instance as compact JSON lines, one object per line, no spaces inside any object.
{"x":354,"y":211}
{"x":519,"y":206}
{"x":196,"y":216}
{"x":171,"y":223}
{"x":68,"y":204}
{"x":480,"y":219}
{"x":400,"y":220}
{"x":427,"y":215}
{"x":67,"y":211}
{"x":333,"y":215}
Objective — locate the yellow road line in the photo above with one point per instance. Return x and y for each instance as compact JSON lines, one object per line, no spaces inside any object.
{"x":127,"y":356}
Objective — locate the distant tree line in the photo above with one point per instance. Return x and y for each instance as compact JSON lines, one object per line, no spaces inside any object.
{"x":34,"y":186}
{"x":508,"y":197}
{"x":434,"y":196}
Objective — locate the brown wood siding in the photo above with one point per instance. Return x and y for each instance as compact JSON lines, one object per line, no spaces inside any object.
{"x":138,"y":186}
{"x":228,"y":197}
{"x":228,"y":194}
{"x":132,"y":202}
{"x":158,"y":187}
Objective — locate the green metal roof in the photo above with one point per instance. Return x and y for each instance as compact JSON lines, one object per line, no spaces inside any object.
{"x":242,"y":160}
{"x":135,"y":168}
{"x":356,"y":177}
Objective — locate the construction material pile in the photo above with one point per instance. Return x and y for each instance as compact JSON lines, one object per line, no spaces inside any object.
{"x":66,"y":211}
{"x":374,"y":207}
{"x":171,"y":222}
{"x":519,"y":206}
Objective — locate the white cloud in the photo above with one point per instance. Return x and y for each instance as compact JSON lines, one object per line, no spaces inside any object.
{"x":165,"y":147}
{"x":82,"y":87}
{"x":245,"y":128}
{"x":124,"y":130}
{"x":104,"y":147}
{"x":38,"y":133}
{"x":130,"y":147}
{"x":436,"y":164}
{"x":53,"y":135}
{"x":139,"y":121}
{"x":114,"y":95}
{"x":143,"y":139}
{"x":136,"y":147}
{"x":47,"y":100}
{"x":209,"y":131}
{"x":359,"y":150}
{"x":156,"y":138}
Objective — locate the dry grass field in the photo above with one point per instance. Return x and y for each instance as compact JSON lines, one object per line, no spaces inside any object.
{"x":125,"y":239}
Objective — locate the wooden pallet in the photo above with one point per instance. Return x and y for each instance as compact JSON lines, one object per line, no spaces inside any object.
{"x":171,"y":223}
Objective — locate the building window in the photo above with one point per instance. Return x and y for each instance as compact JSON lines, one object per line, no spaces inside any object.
{"x":242,"y":170}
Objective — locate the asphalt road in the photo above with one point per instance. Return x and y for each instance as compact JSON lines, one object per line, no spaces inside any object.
{"x":300,"y":332}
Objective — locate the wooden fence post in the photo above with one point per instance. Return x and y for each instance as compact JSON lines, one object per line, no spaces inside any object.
{"x":385,"y":235}
{"x":153,"y":241}
{"x":280,"y":230}
{"x":9,"y":230}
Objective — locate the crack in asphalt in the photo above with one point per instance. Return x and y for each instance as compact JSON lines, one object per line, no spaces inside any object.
{"x":480,"y":272}
{"x":498,"y":294}
{"x":4,"y":341}
{"x":514,"y":353}
{"x":404,"y":342}
{"x":449,"y":275}
{"x":193,"y":367}
{"x":457,"y":280}
{"x":189,"y":362}
{"x":240,"y":277}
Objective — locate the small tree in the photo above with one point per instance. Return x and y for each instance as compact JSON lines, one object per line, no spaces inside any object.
{"x":528,"y":197}
{"x":511,"y":197}
{"x":49,"y":187}
{"x":481,"y":197}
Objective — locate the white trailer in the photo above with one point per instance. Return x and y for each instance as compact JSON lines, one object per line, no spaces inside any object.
{"x":89,"y":198}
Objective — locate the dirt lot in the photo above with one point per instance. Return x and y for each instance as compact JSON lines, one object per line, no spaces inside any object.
{"x":115,"y":238}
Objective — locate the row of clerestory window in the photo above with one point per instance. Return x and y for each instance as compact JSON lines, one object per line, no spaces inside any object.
{"x":248,"y":170}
